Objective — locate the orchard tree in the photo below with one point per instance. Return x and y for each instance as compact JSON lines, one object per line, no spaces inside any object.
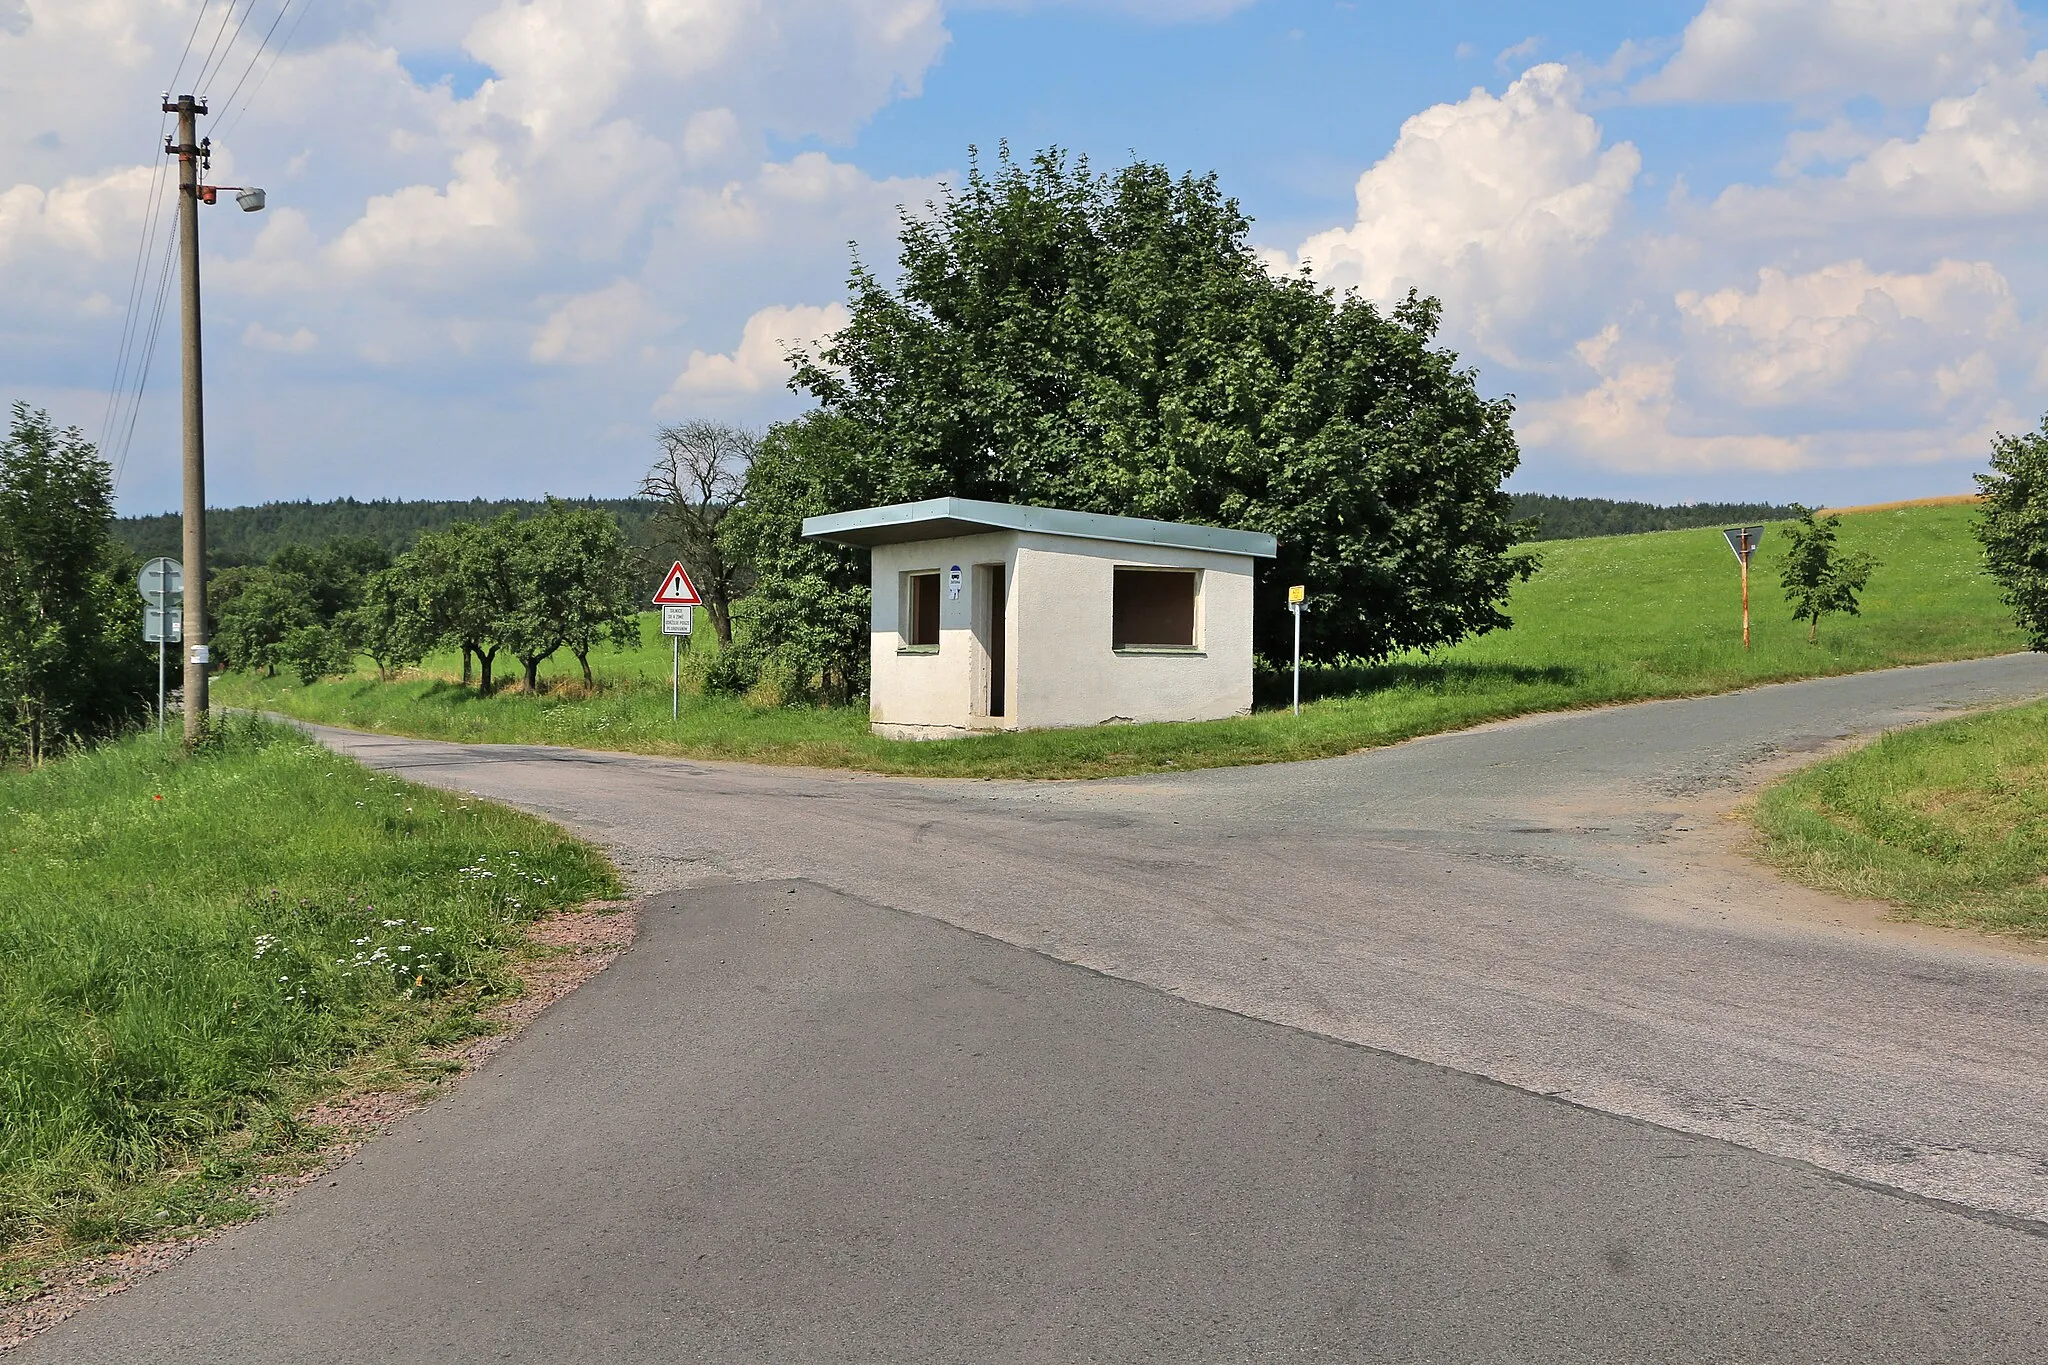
{"x":1112,"y":343}
{"x":390,"y":626}
{"x":72,"y":663}
{"x":698,"y":481}
{"x":1818,"y":578}
{"x":573,"y":586}
{"x":2012,"y":523}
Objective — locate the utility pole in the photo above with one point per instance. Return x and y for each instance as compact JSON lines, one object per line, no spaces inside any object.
{"x":191,"y":152}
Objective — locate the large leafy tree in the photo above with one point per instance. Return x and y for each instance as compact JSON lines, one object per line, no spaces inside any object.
{"x":1114,"y":344}
{"x":807,"y":618}
{"x":72,"y":663}
{"x":2013,"y":525}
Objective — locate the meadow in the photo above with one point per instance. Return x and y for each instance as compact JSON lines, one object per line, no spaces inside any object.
{"x":194,"y":945}
{"x":1616,"y":619}
{"x":1948,"y":822}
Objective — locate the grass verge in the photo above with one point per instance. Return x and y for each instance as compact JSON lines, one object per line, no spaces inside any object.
{"x":1624,"y":618}
{"x":198,"y":948}
{"x":1948,"y":822}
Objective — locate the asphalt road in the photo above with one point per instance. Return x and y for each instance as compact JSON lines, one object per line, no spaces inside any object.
{"x":797,"y":1123}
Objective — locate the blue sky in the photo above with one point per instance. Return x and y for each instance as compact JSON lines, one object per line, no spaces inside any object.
{"x":1721,"y":249}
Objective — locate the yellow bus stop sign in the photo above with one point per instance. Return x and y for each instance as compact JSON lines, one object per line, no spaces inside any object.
{"x":1296,"y":595}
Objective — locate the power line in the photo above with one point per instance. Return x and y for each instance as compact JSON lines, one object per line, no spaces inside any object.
{"x":207,"y":65}
{"x":197,"y":20}
{"x":257,"y":55}
{"x":275,"y":57}
{"x":131,"y":316}
{"x":148,"y":353}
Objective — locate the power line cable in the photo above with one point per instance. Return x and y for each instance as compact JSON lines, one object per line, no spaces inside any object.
{"x":131,"y":316}
{"x":199,"y":81}
{"x":163,"y":293}
{"x":257,"y":55}
{"x":275,"y":57}
{"x":197,"y":20}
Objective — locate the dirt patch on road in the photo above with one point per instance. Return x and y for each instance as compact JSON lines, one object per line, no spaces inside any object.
{"x":569,"y":949}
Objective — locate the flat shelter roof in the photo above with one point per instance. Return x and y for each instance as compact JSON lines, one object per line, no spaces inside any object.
{"x":940,"y":518}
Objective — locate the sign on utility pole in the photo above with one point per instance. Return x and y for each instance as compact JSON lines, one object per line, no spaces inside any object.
{"x":1743,"y":540}
{"x":678,"y":599}
{"x":1297,"y":597}
{"x":161,"y":582}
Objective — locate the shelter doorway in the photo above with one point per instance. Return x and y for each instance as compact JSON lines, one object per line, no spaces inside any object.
{"x":992,"y":587}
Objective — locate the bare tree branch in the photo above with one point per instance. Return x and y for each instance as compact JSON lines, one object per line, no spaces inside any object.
{"x":699,"y":478}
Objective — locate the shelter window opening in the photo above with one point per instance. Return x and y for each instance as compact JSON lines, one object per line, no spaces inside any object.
{"x":1155,"y":609}
{"x":921,"y":611}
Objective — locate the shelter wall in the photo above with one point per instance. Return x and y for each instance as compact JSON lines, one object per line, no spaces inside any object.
{"x":1070,"y":673}
{"x":1062,"y":666}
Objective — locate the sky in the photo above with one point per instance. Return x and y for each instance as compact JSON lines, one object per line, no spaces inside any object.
{"x":1719,"y":250}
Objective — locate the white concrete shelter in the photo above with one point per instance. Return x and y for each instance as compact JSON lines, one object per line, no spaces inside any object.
{"x":989,"y":616}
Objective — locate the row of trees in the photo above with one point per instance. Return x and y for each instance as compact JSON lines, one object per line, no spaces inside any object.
{"x":72,"y":663}
{"x":514,"y":588}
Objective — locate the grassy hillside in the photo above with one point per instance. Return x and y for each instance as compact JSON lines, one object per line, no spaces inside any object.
{"x":1948,"y":822}
{"x":1607,"y":620}
{"x":191,"y":947}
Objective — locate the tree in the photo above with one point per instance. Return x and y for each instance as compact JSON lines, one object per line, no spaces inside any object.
{"x":808,"y":614}
{"x":698,"y":481}
{"x":390,"y":625}
{"x":573,"y":585}
{"x":72,"y":664}
{"x":464,"y":588}
{"x":1817,"y":577}
{"x":1114,"y":344}
{"x":255,"y":609}
{"x":2012,"y":523}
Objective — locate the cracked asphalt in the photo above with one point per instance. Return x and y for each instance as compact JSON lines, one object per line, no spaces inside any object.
{"x":1484,"y":1047}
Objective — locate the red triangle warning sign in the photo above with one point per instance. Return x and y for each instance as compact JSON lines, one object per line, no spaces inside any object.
{"x":677,"y":590}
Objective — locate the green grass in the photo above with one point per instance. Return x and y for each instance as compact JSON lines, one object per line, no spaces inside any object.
{"x":1617,"y":619}
{"x":192,"y":946}
{"x":1948,"y":822}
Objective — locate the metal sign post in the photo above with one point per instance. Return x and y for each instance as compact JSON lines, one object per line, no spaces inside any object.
{"x":161,"y":582}
{"x":1743,"y":540}
{"x":1296,"y":598}
{"x":678,"y":600}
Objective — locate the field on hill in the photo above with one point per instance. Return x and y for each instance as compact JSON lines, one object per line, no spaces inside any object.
{"x":1607,"y":620}
{"x":193,"y":945}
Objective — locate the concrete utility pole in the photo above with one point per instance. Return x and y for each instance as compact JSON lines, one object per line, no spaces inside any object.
{"x":191,"y":152}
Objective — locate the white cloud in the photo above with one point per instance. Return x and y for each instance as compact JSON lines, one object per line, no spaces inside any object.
{"x":1837,"y":368}
{"x":1894,"y":50}
{"x":1980,"y":155}
{"x":1846,"y":336}
{"x":299,"y":341}
{"x":760,"y":361}
{"x":1492,"y":204}
{"x":596,"y":327}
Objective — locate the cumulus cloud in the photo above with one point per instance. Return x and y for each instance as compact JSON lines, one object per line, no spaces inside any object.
{"x":761,"y":360}
{"x":1875,"y":368}
{"x":1493,"y":204}
{"x":1979,"y":155}
{"x":596,"y":327}
{"x":1894,"y":50}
